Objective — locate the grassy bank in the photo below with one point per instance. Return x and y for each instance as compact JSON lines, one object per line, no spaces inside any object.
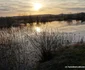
{"x":73,"y":55}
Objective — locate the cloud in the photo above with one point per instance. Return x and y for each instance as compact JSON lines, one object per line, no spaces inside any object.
{"x":14,"y":6}
{"x":76,"y":9}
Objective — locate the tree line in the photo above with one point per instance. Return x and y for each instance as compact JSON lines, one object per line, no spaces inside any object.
{"x":17,"y":20}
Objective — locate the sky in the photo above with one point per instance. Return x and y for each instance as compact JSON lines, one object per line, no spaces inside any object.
{"x":26,"y":7}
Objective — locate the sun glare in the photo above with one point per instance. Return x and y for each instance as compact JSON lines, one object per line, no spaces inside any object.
{"x":37,"y":6}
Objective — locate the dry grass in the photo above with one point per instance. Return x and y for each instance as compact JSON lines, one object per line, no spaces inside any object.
{"x":20,"y":50}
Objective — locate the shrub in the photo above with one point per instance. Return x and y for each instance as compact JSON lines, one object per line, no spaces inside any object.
{"x":47,"y":43}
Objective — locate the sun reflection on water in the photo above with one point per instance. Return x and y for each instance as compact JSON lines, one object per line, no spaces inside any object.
{"x":38,"y":29}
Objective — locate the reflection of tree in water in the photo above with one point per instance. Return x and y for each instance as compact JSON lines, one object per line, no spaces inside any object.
{"x":78,"y":22}
{"x":43,"y":20}
{"x":69,"y":22}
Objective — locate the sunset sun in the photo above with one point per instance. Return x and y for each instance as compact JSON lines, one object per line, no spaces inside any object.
{"x":37,"y":6}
